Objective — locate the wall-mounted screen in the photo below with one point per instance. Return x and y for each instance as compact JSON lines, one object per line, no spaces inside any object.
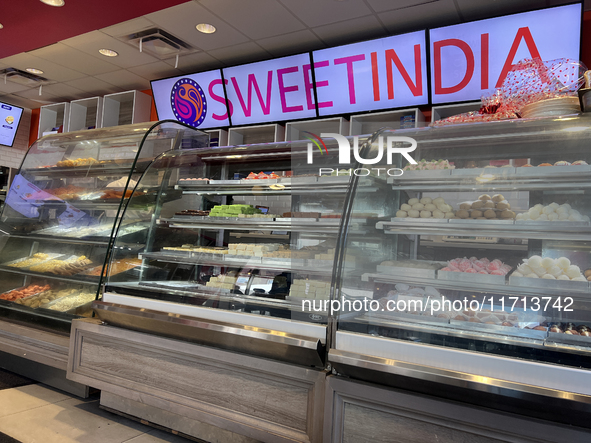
{"x":384,"y":73}
{"x":195,"y":99}
{"x":472,"y":59}
{"x":273,"y":90}
{"x":10,"y":117}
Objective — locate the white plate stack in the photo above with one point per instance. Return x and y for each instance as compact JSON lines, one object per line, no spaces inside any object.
{"x":553,"y":106}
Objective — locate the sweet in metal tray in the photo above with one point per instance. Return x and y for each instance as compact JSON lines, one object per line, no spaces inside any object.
{"x":471,"y":278}
{"x":427,"y":174}
{"x":552,"y":225}
{"x":245,"y":259}
{"x":278,"y":261}
{"x":50,"y":256}
{"x":576,"y":340}
{"x":542,"y":283}
{"x":258,"y":181}
{"x":404,"y":271}
{"x":498,"y":329}
{"x":507,"y":172}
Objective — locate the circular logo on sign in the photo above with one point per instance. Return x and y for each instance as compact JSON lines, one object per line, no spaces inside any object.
{"x":188,"y":102}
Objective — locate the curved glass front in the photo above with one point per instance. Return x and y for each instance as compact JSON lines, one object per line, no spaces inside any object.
{"x":484,"y":245}
{"x":61,"y":211}
{"x":249,"y":229}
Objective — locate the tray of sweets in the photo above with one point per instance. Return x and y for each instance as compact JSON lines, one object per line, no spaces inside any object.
{"x":35,"y":259}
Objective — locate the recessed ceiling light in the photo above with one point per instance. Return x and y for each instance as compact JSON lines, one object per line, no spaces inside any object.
{"x":54,"y":2}
{"x":206,"y":28}
{"x":108,"y":52}
{"x":34,"y":71}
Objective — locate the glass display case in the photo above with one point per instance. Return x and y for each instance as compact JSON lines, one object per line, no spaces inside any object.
{"x":61,"y":211}
{"x":479,"y":270}
{"x":239,"y":237}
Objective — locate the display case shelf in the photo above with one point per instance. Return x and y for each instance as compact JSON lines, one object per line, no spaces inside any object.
{"x":399,"y":119}
{"x":109,"y":168}
{"x":444,"y":111}
{"x":77,"y":279}
{"x":331,"y":226}
{"x":573,"y":231}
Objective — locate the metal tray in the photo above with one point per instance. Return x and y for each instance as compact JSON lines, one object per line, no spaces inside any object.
{"x":510,"y":331}
{"x":552,"y":225}
{"x":260,"y":181}
{"x":224,"y":182}
{"x":294,"y":262}
{"x":461,"y":221}
{"x":298,"y":180}
{"x":58,"y":300}
{"x":401,"y":271}
{"x":477,"y":172}
{"x":559,"y":285}
{"x":545,"y":171}
{"x":418,"y":220}
{"x":431,"y":174}
{"x":245,"y":259}
{"x":51,"y":256}
{"x":471,"y":278}
{"x":577,"y":340}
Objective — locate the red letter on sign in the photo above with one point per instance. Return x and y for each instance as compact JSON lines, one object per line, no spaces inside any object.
{"x":252,"y":81}
{"x":484,"y":61}
{"x":349,"y":62}
{"x":522,"y":33}
{"x":417,"y":87}
{"x":437,"y":64}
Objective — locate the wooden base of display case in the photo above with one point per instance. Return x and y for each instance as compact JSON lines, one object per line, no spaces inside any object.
{"x":37,"y":354}
{"x":363,"y":412}
{"x":171,"y":382}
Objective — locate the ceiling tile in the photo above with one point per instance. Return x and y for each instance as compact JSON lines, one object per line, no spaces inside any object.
{"x":23,"y":102}
{"x":64,"y":91}
{"x":155,"y":71}
{"x":387,"y":5}
{"x":51,"y":71}
{"x":198,"y":62}
{"x":128,"y":27}
{"x":350,"y":31}
{"x":33,"y":94}
{"x":287,"y":44}
{"x":91,"y":42}
{"x":72,"y":58}
{"x":321,"y":12}
{"x":261,"y":19}
{"x":243,"y":53}
{"x":125,"y":79}
{"x":471,"y":10}
{"x":94,"y":86}
{"x":10,"y":87}
{"x":181,"y":20}
{"x":441,"y":13}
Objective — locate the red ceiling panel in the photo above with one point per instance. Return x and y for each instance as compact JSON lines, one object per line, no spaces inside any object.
{"x":30,"y":24}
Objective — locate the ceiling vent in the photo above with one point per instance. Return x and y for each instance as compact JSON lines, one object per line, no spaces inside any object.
{"x":158,"y":43}
{"x":22,"y":77}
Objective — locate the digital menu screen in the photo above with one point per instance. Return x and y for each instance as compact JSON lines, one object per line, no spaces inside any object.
{"x":195,"y":99}
{"x":384,"y":73}
{"x":273,"y":90}
{"x":10,"y":117}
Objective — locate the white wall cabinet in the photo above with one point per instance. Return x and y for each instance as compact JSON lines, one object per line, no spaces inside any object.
{"x":126,"y":108}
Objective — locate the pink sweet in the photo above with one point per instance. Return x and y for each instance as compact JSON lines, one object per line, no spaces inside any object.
{"x":506,"y":268}
{"x":465,"y":264}
{"x":447,"y":269}
{"x":497,"y":272}
{"x":498,"y":262}
{"x":456,"y":261}
{"x":493,"y":267}
{"x":485,"y":260}
{"x":473,"y":259}
{"x":471,"y":271}
{"x":483,"y":272}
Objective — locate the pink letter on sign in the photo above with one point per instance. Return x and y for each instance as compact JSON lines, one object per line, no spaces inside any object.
{"x":252,"y":81}
{"x":322,"y":83}
{"x":349,"y":61}
{"x":308,"y":85}
{"x":220,"y":99}
{"x":283,"y":90}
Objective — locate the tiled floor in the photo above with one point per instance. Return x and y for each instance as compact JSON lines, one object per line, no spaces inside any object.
{"x":39,"y":414}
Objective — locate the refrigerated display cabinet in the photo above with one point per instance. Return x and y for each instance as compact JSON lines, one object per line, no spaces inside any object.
{"x":57,"y":224}
{"x":477,"y":280}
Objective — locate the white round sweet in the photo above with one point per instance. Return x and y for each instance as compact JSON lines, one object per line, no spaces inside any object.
{"x":555,"y":271}
{"x":548,"y":277}
{"x":534,"y":211}
{"x":563,"y":262}
{"x":567,"y":206}
{"x":574,"y":212}
{"x":525,"y":269}
{"x":438,"y":201}
{"x":425,"y":214}
{"x":413,"y":213}
{"x":405,"y":207}
{"x":539,"y":206}
{"x":438,"y":214}
{"x":554,"y":205}
{"x":534,"y":215}
{"x":426,"y":200}
{"x":526,"y":216}
{"x":563,"y":216}
{"x":547,"y":262}
{"x":573,"y":271}
{"x":548,"y":210}
{"x":534,"y":261}
{"x":519,"y":217}
{"x":430,"y":207}
{"x":579,"y":278}
{"x":444,"y":207}
{"x":543,"y":217}
{"x":575,"y":218}
{"x":401,"y":214}
{"x":561,"y":210}
{"x":562,"y":277}
{"x":553,"y":216}
{"x":418,"y":206}
{"x":586,"y":218}
{"x":412,"y":201}
{"x":532,"y":275}
{"x":517,"y":274}
{"x":449,"y":215}
{"x":538,"y":270}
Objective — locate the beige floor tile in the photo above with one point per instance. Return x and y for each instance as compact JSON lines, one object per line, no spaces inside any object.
{"x":158,"y":437}
{"x":70,"y":421}
{"x":15,"y":400}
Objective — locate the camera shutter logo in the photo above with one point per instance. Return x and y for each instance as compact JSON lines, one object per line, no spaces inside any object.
{"x":188,"y":102}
